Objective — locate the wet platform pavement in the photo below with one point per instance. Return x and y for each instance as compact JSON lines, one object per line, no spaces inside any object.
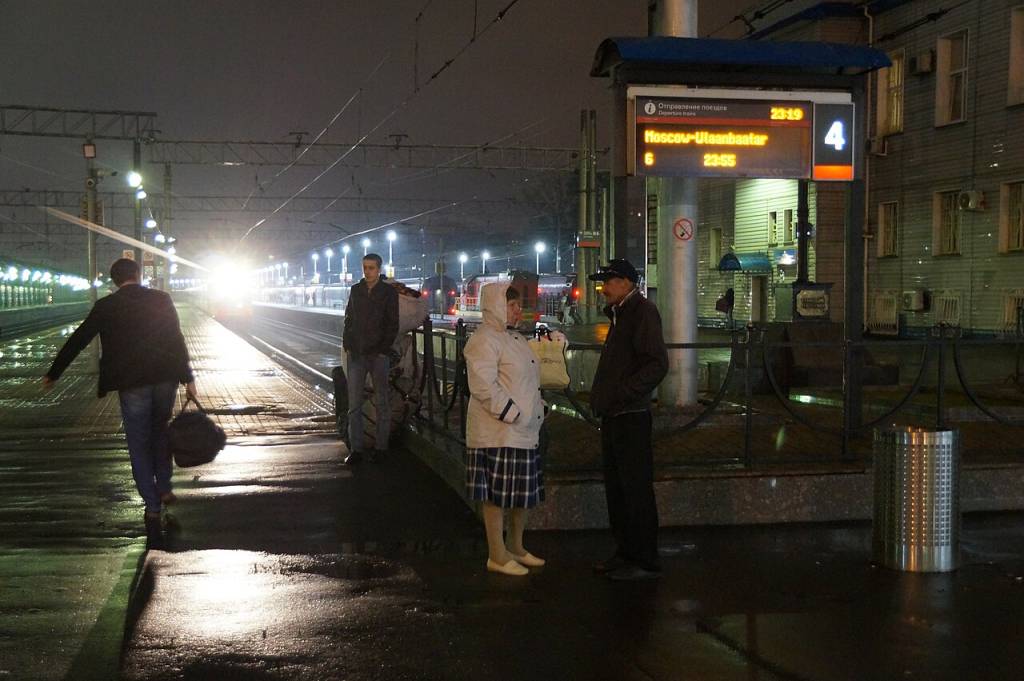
{"x":287,"y":565}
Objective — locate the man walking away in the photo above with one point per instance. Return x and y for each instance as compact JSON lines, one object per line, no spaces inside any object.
{"x":371,"y":324}
{"x":633,"y":362}
{"x":143,"y":358}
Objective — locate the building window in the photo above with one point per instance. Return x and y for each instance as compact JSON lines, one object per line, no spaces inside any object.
{"x":787,"y":219}
{"x":945,"y":223}
{"x":890,"y":96}
{"x":1011,"y":218}
{"x":715,"y":248}
{"x":888,"y":229}
{"x":1015,"y":94}
{"x":951,"y":83}
{"x":773,"y":228}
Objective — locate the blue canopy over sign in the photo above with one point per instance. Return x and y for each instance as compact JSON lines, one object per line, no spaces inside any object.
{"x":736,"y":55}
{"x":754,"y":262}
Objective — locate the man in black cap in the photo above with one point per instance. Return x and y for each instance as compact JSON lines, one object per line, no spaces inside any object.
{"x":633,"y":362}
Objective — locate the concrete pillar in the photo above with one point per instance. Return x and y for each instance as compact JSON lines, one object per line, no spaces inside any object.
{"x":677,"y":237}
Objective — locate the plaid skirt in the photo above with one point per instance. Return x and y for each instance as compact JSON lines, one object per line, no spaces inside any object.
{"x":505,"y":476}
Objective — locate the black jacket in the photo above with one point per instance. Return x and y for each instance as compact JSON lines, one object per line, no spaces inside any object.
{"x":633,"y":361}
{"x":140,"y":340}
{"x":371,"y":319}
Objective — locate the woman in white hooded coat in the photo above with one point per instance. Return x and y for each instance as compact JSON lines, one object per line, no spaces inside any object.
{"x":503,"y":422}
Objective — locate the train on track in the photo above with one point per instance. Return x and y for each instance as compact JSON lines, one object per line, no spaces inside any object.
{"x":550,"y":298}
{"x":545,"y":297}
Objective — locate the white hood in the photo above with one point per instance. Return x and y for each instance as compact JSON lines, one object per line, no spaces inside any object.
{"x":493,"y":305}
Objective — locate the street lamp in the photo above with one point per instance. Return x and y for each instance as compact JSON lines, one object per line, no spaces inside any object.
{"x":366,"y":245}
{"x":277,"y":273}
{"x":315,"y":256}
{"x":539,"y":247}
{"x":329,"y":253}
{"x":462,"y":265}
{"x":483,"y":261}
{"x":391,"y":241}
{"x":134,"y":179}
{"x":151,"y":223}
{"x":285,"y":266}
{"x":344,"y":262}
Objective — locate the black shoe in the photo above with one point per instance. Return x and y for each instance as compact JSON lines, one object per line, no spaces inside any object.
{"x":353,"y":459}
{"x":613,"y":563}
{"x":632,"y":573}
{"x":154,"y":531}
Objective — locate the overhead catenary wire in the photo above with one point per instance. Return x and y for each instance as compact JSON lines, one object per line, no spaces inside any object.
{"x":405,"y":102}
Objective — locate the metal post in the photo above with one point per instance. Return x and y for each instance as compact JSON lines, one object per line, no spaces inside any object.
{"x":137,"y":224}
{"x":748,"y":413}
{"x":803,"y":227}
{"x":90,"y":214}
{"x":585,"y":300}
{"x":940,"y":389}
{"x":444,"y":378}
{"x":854,"y":273}
{"x":678,"y":215}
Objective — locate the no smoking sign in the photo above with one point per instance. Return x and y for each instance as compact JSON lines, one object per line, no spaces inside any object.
{"x":683,"y":229}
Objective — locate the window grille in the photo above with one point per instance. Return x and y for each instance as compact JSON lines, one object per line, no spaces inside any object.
{"x":1015,"y":217}
{"x":951,"y":90}
{"x":947,"y":224}
{"x":894,"y":95}
{"x":885,"y":317}
{"x":1015,"y":93}
{"x":1013,"y":303}
{"x":788,"y":226}
{"x":773,"y":228}
{"x":947,"y":307}
{"x":888,"y":228}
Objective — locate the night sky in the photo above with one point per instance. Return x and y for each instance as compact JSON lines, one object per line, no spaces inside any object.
{"x":259,"y":70}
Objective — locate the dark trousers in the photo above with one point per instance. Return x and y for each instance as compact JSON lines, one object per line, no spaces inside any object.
{"x":629,"y":486}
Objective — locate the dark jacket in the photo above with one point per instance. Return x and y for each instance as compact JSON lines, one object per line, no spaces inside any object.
{"x":140,"y":340}
{"x":371,"y":319}
{"x":633,"y":361}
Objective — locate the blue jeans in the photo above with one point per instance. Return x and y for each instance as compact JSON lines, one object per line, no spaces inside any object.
{"x":355,"y":373}
{"x":145,"y":412}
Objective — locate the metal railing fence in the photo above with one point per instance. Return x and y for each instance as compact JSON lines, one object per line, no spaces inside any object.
{"x":752,"y":361}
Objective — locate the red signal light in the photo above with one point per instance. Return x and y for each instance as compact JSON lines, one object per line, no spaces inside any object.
{"x":575,"y":293}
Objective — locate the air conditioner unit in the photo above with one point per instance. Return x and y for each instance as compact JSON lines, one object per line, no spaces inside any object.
{"x":921,"y":63}
{"x":914,"y":300}
{"x":878,"y":146}
{"x":971,"y":200}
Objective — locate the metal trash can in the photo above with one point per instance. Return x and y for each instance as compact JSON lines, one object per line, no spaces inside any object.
{"x":917,"y":499}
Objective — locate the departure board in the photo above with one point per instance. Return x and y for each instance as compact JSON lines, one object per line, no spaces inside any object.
{"x":751,"y":138}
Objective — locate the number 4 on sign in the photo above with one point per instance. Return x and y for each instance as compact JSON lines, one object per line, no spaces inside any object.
{"x":834,"y":137}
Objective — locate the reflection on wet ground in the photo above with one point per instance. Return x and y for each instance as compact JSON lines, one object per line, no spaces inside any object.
{"x":378,"y":573}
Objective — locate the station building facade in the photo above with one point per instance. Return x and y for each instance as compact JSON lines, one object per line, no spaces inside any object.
{"x":944,"y":179}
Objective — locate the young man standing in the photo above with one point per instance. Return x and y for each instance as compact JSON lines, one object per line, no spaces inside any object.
{"x":144,"y":358}
{"x":371,"y":326}
{"x":633,"y":362}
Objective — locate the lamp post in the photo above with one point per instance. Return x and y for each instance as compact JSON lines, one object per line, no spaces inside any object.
{"x":277,"y":273}
{"x":483,"y":261}
{"x":366,"y":245}
{"x":344,"y":262}
{"x":316,"y":275}
{"x":462,"y":266}
{"x":391,"y":242}
{"x":284,"y":265}
{"x":329,"y":254}
{"x":539,"y":247}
